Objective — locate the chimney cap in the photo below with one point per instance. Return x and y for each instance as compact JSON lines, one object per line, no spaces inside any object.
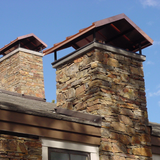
{"x":118,"y":31}
{"x":29,"y":41}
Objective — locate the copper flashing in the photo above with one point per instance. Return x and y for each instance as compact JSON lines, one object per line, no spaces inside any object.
{"x":29,"y":41}
{"x":118,"y":31}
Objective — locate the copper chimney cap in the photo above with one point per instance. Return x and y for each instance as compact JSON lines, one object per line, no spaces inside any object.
{"x":118,"y":31}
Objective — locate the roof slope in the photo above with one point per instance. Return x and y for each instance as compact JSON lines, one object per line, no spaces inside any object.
{"x":25,"y":105}
{"x":118,"y":31}
{"x":45,"y":109}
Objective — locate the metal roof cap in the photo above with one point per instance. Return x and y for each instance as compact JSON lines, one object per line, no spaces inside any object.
{"x":29,"y":41}
{"x":118,"y":31}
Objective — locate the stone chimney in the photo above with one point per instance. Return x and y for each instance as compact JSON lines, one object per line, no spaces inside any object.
{"x":21,"y":67}
{"x":104,"y":76}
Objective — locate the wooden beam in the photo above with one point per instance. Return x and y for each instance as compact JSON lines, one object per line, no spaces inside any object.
{"x":155,"y":141}
{"x":155,"y":150}
{"x":48,"y":133}
{"x":49,"y":123}
{"x":113,"y":26}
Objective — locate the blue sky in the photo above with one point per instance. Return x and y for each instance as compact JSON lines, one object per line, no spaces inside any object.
{"x":53,"y":20}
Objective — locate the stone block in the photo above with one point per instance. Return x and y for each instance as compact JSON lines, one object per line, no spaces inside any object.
{"x":33,"y":144}
{"x":118,"y":147}
{"x":60,"y":97}
{"x":126,"y":120}
{"x":106,"y":146}
{"x":112,"y":62}
{"x":22,"y":147}
{"x":136,"y":140}
{"x":127,"y":112}
{"x":114,"y":135}
{"x":136,"y":71}
{"x":78,"y":60}
{"x":145,"y":138}
{"x":104,"y":157}
{"x":124,"y":77}
{"x":81,"y":74}
{"x":86,"y":60}
{"x":80,"y":90}
{"x":94,"y":64}
{"x":76,"y":83}
{"x":68,"y":105}
{"x":124,"y":139}
{"x":129,"y":93}
{"x":105,"y":58}
{"x":89,"y":54}
{"x":107,"y":111}
{"x":71,"y":93}
{"x":94,"y":107}
{"x":99,"y":83}
{"x":59,"y":76}
{"x":99,"y":76}
{"x":105,"y":133}
{"x":118,"y":158}
{"x":71,"y":70}
{"x":81,"y":106}
{"x":119,"y":126}
{"x":92,"y":90}
{"x":142,"y":152}
{"x":99,"y":56}
{"x":90,"y":103}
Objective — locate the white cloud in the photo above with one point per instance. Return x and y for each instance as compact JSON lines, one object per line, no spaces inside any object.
{"x":150,"y":3}
{"x":154,"y":93}
{"x":149,"y":62}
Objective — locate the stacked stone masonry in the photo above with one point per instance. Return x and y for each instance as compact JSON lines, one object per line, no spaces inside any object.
{"x":22,"y":73}
{"x":111,"y":85}
{"x":19,"y":148}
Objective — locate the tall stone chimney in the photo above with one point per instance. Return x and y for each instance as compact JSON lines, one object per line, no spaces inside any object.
{"x":104,"y":76}
{"x":21,"y":67}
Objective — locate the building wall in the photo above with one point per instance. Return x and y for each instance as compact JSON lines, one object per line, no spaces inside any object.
{"x":111,"y":85}
{"x":22,"y":73}
{"x":16,"y":148}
